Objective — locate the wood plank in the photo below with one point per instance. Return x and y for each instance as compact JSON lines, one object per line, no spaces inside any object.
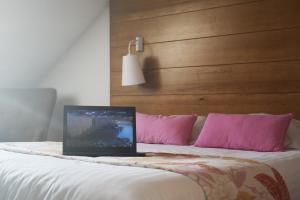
{"x":240,"y":18}
{"x":226,"y":57}
{"x":204,"y":104}
{"x":136,"y":9}
{"x":241,"y":78}
{"x":244,"y":48}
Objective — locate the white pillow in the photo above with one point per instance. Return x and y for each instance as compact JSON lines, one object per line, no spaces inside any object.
{"x":197,"y":128}
{"x":293,"y":135}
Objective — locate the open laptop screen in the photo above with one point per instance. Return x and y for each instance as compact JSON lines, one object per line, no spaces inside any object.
{"x":99,"y":130}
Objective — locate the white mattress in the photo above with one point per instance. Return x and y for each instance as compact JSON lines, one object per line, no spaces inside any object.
{"x":32,"y":177}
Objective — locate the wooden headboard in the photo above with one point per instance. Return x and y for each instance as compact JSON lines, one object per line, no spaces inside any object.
{"x":201,"y":56}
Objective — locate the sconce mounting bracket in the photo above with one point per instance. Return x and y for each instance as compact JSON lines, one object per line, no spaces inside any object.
{"x":139,"y":44}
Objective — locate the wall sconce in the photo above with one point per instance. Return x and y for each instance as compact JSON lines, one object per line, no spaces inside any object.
{"x":132,"y":73}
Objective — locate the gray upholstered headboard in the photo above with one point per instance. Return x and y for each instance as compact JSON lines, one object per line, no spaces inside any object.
{"x":25,"y":114}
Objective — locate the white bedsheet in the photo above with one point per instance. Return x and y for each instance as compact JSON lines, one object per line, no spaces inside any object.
{"x":32,"y":177}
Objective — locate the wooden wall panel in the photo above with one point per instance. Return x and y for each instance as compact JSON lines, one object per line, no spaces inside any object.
{"x":240,"y":18}
{"x":203,"y":104}
{"x":124,"y":10}
{"x":241,"y":48}
{"x":240,"y":78}
{"x":233,"y":56}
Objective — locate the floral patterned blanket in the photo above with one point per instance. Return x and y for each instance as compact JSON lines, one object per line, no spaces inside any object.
{"x":219,"y":177}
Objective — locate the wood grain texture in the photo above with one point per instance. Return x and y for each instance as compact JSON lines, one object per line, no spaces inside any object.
{"x":241,"y":18}
{"x":201,"y":56}
{"x":141,"y":9}
{"x":241,"y":48}
{"x":240,"y":78}
{"x":204,"y":104}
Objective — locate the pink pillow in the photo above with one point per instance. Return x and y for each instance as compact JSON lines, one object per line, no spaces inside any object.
{"x":247,"y":132}
{"x":158,"y":129}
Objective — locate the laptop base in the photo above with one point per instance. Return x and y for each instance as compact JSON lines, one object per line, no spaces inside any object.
{"x":138,"y":154}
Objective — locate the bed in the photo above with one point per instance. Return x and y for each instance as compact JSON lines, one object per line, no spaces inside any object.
{"x":38,"y":171}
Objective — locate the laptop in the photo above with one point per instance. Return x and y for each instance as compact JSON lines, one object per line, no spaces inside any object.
{"x":99,"y":131}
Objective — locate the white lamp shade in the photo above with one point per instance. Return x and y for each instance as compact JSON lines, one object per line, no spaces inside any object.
{"x":132,"y":73}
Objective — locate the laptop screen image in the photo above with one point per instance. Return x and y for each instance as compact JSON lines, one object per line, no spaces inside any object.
{"x":99,"y":130}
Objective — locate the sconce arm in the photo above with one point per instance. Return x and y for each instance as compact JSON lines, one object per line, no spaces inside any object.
{"x":131,"y":42}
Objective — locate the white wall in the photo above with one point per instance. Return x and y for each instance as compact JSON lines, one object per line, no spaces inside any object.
{"x":35,"y":33}
{"x":81,"y":76}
